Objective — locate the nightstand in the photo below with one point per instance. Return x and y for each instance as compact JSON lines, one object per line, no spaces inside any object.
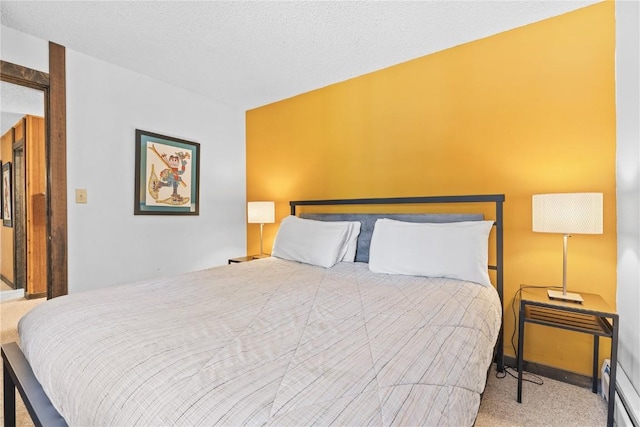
{"x":593,"y":317}
{"x":247,"y":258}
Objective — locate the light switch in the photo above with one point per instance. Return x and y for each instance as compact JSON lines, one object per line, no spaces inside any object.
{"x":81,"y":196}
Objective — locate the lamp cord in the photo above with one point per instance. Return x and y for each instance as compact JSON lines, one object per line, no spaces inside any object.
{"x":517,"y":296}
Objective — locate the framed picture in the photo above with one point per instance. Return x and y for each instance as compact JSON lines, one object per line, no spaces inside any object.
{"x":1,"y":196}
{"x":7,"y":205}
{"x":167,"y":175}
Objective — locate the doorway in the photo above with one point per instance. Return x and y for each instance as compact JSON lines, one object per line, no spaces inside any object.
{"x":53,"y":200}
{"x":23,"y":242}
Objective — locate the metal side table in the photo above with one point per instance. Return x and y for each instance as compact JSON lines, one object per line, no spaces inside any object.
{"x":594,"y":316}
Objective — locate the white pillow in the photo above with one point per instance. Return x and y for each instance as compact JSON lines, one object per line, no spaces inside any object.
{"x":457,"y":250}
{"x":312,"y":242}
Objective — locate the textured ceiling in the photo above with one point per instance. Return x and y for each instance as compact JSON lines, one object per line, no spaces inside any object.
{"x":251,"y":53}
{"x":16,"y":101}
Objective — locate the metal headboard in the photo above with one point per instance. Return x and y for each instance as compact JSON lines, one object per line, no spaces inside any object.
{"x":497,"y":199}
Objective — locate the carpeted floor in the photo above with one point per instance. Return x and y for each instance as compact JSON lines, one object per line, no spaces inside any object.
{"x":551,"y":404}
{"x":10,"y":312}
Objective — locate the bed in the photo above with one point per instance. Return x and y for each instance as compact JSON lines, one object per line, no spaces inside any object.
{"x":270,"y":342}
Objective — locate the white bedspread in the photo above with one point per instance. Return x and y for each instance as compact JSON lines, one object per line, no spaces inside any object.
{"x":267,"y":342}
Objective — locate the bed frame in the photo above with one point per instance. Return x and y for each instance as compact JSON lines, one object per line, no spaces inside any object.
{"x":19,"y":375}
{"x":497,"y":199}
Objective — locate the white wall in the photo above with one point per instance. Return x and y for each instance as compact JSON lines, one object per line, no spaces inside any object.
{"x":628,"y":186}
{"x":107,"y":244}
{"x":24,"y":49}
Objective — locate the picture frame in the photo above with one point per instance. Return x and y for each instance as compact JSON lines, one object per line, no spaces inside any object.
{"x":1,"y":196}
{"x":167,"y":175}
{"x":7,"y":195}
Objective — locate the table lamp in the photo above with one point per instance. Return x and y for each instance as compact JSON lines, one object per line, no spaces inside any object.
{"x":261,"y":213}
{"x":567,"y":214}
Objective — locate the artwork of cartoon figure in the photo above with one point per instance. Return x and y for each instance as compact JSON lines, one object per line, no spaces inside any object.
{"x":169,"y":177}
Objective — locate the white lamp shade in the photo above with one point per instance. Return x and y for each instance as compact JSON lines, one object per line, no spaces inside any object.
{"x":567,"y":213}
{"x":261,"y":212}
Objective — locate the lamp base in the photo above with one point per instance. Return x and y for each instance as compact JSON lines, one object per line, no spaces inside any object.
{"x":569,"y":296}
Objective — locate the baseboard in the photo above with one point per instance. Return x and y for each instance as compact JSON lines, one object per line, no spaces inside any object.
{"x":550,"y":372}
{"x":627,"y":401}
{"x":11,"y":295}
{"x":35,"y":296}
{"x":7,"y":281}
{"x":621,"y":414}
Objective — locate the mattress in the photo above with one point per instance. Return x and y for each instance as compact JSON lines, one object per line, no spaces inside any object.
{"x":268,"y":342}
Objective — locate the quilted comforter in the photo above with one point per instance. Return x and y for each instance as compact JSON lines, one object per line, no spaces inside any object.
{"x":269,"y":342}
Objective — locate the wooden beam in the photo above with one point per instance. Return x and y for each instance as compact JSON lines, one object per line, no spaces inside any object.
{"x":57,"y":156}
{"x":23,"y":76}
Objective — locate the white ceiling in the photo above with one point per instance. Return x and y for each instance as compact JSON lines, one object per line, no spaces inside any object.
{"x":251,"y":53}
{"x":16,"y":101}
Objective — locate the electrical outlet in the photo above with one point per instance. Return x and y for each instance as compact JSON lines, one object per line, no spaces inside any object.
{"x":81,"y":196}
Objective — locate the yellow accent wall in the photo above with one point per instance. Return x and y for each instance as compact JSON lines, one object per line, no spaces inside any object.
{"x":527,"y":111}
